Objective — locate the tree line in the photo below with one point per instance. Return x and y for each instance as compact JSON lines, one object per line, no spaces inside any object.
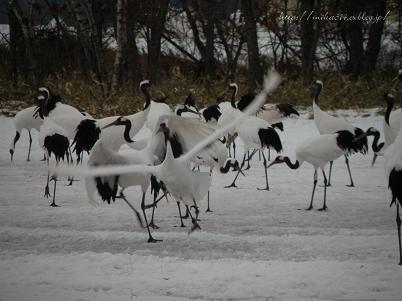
{"x":115,"y":43}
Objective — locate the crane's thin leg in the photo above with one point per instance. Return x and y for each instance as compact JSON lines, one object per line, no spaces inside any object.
{"x":234,"y":149}
{"x":17,"y":136}
{"x":248,"y":161}
{"x":398,"y":223}
{"x":30,"y":144}
{"x":266,"y":173}
{"x":269,"y":154}
{"x":150,"y":238}
{"x":350,"y":174}
{"x":237,"y":175}
{"x":259,"y":155}
{"x":194,"y":221}
{"x":312,"y":194}
{"x":181,"y":218}
{"x":208,"y":209}
{"x":197,"y":211}
{"x":151,"y":224}
{"x":187,"y":215}
{"x":47,"y":193}
{"x":53,"y":204}
{"x":374,"y":159}
{"x":324,"y":207}
{"x":249,"y":158}
{"x":70,"y":179}
{"x":137,"y":214}
{"x":330,"y":173}
{"x":229,"y":149}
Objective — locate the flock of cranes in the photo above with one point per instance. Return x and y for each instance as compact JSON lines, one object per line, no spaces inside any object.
{"x":187,"y":137}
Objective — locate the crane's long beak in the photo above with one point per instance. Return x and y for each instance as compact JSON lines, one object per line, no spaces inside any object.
{"x":111,"y":124}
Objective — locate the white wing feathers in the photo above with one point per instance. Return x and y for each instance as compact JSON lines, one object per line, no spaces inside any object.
{"x":105,"y":170}
{"x":189,"y":132}
{"x":271,"y":82}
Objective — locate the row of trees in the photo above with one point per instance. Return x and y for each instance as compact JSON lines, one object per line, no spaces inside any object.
{"x":209,"y":38}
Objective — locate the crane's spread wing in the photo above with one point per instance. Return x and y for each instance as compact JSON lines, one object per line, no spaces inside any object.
{"x":101,"y":155}
{"x":105,"y":170}
{"x":271,"y":82}
{"x":188,"y":132}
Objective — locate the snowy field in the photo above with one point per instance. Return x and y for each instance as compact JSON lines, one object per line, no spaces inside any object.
{"x":256,"y":245}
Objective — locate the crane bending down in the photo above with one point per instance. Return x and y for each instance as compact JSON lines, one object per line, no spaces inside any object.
{"x":318,"y":151}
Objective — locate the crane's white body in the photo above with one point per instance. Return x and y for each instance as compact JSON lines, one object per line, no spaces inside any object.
{"x":103,"y":155}
{"x":270,"y":113}
{"x":24,"y":119}
{"x":69,"y":123}
{"x":395,"y":120}
{"x":49,"y":128}
{"x":63,"y":109}
{"x":228,"y":113}
{"x":318,"y":151}
{"x":393,"y":155}
{"x":139,"y":144}
{"x":391,"y":130}
{"x":248,"y":132}
{"x":220,"y":153}
{"x":156,"y":110}
{"x":113,"y":136}
{"x":328,"y":124}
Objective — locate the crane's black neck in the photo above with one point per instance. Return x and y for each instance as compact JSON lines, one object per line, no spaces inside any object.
{"x":224,"y":169}
{"x":127,"y":129}
{"x":375,"y":146}
{"x":317,"y":93}
{"x":291,"y":165}
{"x":390,"y":106}
{"x":190,"y":101}
{"x":181,"y":110}
{"x":145,"y":91}
{"x":233,"y":100}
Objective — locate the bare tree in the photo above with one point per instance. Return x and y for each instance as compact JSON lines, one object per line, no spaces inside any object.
{"x":120,"y":62}
{"x":90,"y":41}
{"x":232,"y":37}
{"x":309,"y":33}
{"x":133,"y":56}
{"x":28,"y":31}
{"x":254,"y":65}
{"x":159,"y":10}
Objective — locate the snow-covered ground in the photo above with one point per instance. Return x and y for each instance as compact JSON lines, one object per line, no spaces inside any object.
{"x":256,"y":245}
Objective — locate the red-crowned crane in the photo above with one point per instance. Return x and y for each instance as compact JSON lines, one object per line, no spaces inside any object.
{"x":318,"y":151}
{"x":328,"y":124}
{"x":25,"y":119}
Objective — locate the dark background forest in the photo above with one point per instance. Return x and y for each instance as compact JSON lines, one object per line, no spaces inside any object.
{"x":95,"y":52}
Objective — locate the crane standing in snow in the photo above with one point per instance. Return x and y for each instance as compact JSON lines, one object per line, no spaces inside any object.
{"x":328,"y":124}
{"x":318,"y":151}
